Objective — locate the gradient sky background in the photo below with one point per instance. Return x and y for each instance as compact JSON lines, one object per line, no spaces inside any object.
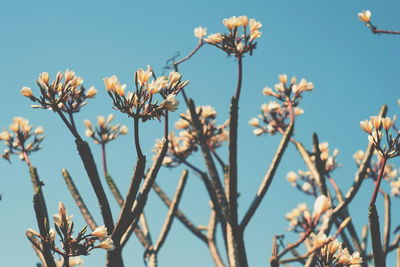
{"x":353,"y":71}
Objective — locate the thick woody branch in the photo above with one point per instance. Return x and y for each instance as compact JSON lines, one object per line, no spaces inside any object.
{"x":268,"y":177}
{"x":379,"y":254}
{"x":78,"y":200}
{"x":141,"y":198}
{"x":91,"y":169}
{"x":124,"y":220}
{"x":212,"y":170}
{"x":171,"y":212}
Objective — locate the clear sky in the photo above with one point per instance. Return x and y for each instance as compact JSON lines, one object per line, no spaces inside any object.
{"x":353,"y":71}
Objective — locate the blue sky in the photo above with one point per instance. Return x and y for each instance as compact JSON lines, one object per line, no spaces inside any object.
{"x":353,"y":71}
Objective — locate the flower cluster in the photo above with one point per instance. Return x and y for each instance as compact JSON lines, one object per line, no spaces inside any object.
{"x":275,"y":114}
{"x":241,"y":36}
{"x":390,"y":172}
{"x":182,"y":145}
{"x":72,"y":246}
{"x":305,"y":181}
{"x":141,"y":102}
{"x":65,"y":93}
{"x":331,"y":253}
{"x":300,"y":218}
{"x":373,"y":127}
{"x":22,"y":139}
{"x":104,"y":132}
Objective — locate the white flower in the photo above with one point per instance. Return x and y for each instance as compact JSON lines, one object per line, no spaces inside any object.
{"x":107,"y":244}
{"x":365,"y":16}
{"x":100,"y":232}
{"x":321,"y":205}
{"x":200,"y":32}
{"x":170,"y":103}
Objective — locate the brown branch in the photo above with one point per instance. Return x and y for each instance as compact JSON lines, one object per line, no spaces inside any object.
{"x":387,"y":224}
{"x":78,"y":200}
{"x":179,"y":214}
{"x":91,"y":169}
{"x":171,"y":212}
{"x":141,"y":199}
{"x":221,"y":205}
{"x":268,"y":177}
{"x":124,"y":220}
{"x":199,"y":45}
{"x":379,"y":255}
{"x":320,"y":169}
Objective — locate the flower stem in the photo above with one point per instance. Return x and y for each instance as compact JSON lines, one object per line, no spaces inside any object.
{"x":380,"y":176}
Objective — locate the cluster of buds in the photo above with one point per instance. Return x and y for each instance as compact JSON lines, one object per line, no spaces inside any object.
{"x":65,"y":93}
{"x":274,"y":115}
{"x":239,"y":40}
{"x":373,"y":127}
{"x":300,"y":218}
{"x":331,"y":253}
{"x":22,"y":139}
{"x":390,"y":173}
{"x":72,"y":246}
{"x":328,"y":161}
{"x":182,"y":145}
{"x":104,"y":132}
{"x":303,"y":181}
{"x":141,"y":102}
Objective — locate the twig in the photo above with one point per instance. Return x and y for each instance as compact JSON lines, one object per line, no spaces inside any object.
{"x":171,"y":212}
{"x":179,"y":214}
{"x":387,"y":224}
{"x":215,"y":255}
{"x":320,"y":169}
{"x":268,"y":177}
{"x":78,"y":200}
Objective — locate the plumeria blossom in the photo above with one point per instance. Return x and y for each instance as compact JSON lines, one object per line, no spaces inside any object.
{"x":71,"y":246}
{"x":200,"y":32}
{"x":330,"y":252}
{"x":276,"y":115}
{"x":374,"y":127}
{"x":390,"y":173}
{"x":182,"y":145}
{"x":241,"y":36}
{"x":143,"y":102}
{"x":300,"y":218}
{"x":22,"y":139}
{"x":365,"y":16}
{"x":66,"y":93}
{"x":104,"y":132}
